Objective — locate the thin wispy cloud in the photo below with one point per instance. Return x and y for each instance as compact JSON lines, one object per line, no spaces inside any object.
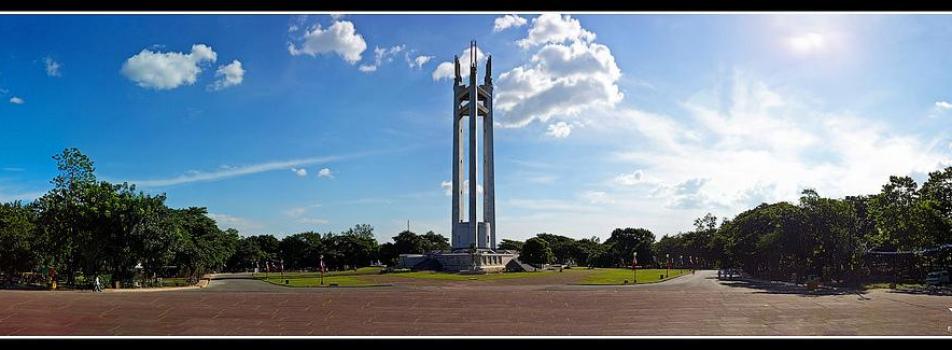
{"x":221,"y":174}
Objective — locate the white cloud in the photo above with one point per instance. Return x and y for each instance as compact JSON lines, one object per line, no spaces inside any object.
{"x":597,"y":197}
{"x":17,"y":101}
{"x":167,"y":70}
{"x":312,"y":221}
{"x":562,"y":79}
{"x":219,"y":174}
{"x":381,"y":55}
{"x":631,"y":179}
{"x":448,"y":187}
{"x":340,"y":38}
{"x":325,"y":172}
{"x":245,"y":226}
{"x":943,"y":105}
{"x":445,"y":70}
{"x":419,"y":61}
{"x":228,"y":75}
{"x":551,"y":28}
{"x":766,"y":146}
{"x":508,"y":21}
{"x":52,"y":67}
{"x":299,"y":172}
{"x":559,"y":130}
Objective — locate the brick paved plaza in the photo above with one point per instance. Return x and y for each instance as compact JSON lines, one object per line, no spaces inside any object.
{"x":692,"y":305}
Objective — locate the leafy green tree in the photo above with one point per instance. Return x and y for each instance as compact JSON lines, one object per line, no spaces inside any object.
{"x":59,"y":210}
{"x":623,"y":242}
{"x":563,"y":248}
{"x":17,"y":229}
{"x":407,"y":242}
{"x":301,"y":250}
{"x":536,"y":251}
{"x":899,"y":216}
{"x":389,"y":255}
{"x":433,"y":241}
{"x":507,"y":244}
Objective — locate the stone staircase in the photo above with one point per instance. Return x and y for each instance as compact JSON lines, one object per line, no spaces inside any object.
{"x":516,"y":265}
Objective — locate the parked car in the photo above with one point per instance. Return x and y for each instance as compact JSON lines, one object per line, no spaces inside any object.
{"x":937,"y":278}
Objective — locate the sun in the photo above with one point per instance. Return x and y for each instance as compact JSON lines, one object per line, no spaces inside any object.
{"x":807,"y":43}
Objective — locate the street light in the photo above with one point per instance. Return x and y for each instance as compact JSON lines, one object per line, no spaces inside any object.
{"x":634,"y":267}
{"x":668,"y":271}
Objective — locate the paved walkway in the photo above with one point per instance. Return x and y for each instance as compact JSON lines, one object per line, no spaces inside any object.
{"x":691,"y":305}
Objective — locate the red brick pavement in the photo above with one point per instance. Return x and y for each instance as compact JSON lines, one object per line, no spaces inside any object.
{"x":693,"y":305}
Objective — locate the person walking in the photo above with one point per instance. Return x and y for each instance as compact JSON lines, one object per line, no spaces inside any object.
{"x":98,"y":285}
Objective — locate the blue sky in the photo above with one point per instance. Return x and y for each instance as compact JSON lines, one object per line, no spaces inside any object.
{"x":285,"y":123}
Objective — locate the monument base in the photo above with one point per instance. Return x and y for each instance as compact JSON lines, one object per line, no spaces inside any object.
{"x":480,"y":262}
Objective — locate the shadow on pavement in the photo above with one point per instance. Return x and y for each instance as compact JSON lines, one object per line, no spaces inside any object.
{"x":768,"y":287}
{"x":924,"y":291}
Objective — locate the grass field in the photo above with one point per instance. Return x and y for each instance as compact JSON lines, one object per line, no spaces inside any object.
{"x":349,"y":278}
{"x":898,"y":285}
{"x":618,"y":276}
{"x":360,"y":271}
{"x":341,"y":281}
{"x":447,"y":276}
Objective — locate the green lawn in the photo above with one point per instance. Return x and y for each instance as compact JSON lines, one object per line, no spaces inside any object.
{"x":449,"y":276}
{"x":342,"y":281}
{"x":898,"y":285}
{"x":360,"y":271}
{"x":618,"y":276}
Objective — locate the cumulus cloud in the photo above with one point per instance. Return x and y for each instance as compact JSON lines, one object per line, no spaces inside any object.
{"x":555,"y":29}
{"x":508,"y":21}
{"x":167,"y":70}
{"x":17,"y":101}
{"x":228,"y":75}
{"x":943,"y":105}
{"x":559,"y":130}
{"x":52,"y":67}
{"x":445,"y":70}
{"x":567,"y":75}
{"x":340,"y":38}
{"x":325,"y":172}
{"x":381,"y":55}
{"x":299,"y":172}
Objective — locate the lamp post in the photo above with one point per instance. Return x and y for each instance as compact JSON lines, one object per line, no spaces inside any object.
{"x":667,"y":272}
{"x":634,"y":267}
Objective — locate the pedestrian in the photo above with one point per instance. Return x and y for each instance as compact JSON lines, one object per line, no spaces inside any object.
{"x":98,"y":285}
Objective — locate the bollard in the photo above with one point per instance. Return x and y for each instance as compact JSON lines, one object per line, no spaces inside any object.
{"x":626,"y":281}
{"x":286,"y":281}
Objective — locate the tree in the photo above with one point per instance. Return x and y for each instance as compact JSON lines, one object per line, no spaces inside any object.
{"x":624,"y":242}
{"x":536,"y":251}
{"x":17,"y":228}
{"x":389,"y":254}
{"x":508,"y":244}
{"x":563,"y":248}
{"x":59,"y":209}
{"x":301,"y":250}
{"x":433,"y":241}
{"x":407,"y":242}
{"x":899,"y":216}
